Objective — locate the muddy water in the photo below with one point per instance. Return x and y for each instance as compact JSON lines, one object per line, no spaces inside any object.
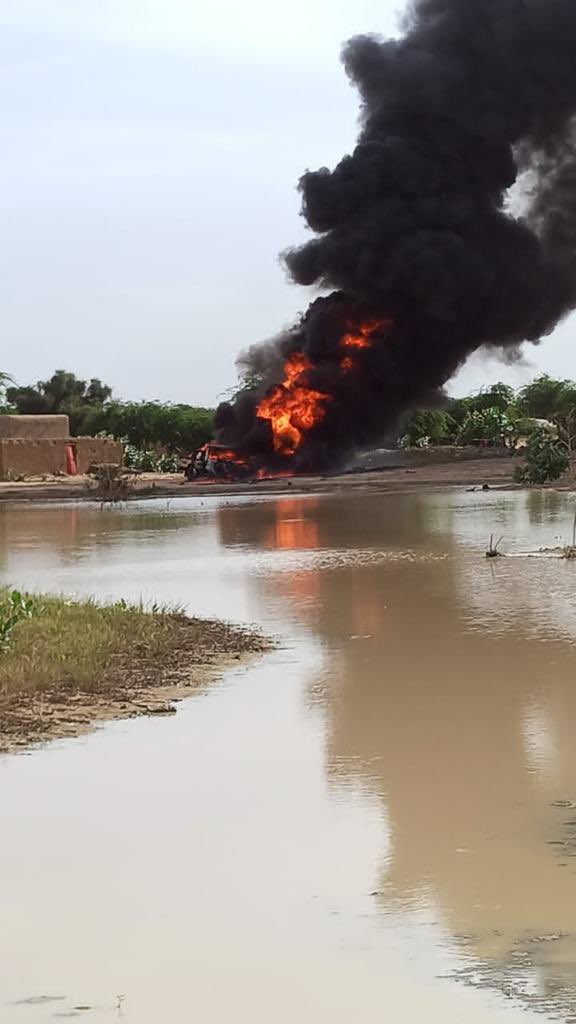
{"x":372,"y":823}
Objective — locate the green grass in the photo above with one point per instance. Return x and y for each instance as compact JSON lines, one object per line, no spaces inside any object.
{"x":85,"y":646}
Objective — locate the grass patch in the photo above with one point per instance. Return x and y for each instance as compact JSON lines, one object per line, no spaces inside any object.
{"x":102,"y":658}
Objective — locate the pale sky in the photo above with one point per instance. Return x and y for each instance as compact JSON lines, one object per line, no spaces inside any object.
{"x":151,"y":150}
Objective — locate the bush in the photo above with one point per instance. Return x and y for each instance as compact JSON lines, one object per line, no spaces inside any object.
{"x":546,"y":460}
{"x":491,"y":425}
{"x":143,"y":460}
{"x":110,"y":484}
{"x":146,"y":460}
{"x":428,"y":425}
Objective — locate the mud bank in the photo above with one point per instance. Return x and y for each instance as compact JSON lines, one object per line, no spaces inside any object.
{"x":135,"y":678}
{"x":495,"y":472}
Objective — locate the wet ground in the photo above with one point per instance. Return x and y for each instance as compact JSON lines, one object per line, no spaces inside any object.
{"x":375,"y":822}
{"x":495,"y":471}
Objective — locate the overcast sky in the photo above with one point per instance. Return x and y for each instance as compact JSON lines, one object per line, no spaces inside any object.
{"x":151,"y":150}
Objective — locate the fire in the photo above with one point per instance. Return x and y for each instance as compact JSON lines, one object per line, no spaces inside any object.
{"x":360,"y":337}
{"x":291,"y":408}
{"x":266,"y":474}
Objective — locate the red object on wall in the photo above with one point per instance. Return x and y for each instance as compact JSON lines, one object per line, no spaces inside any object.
{"x":71,"y":467}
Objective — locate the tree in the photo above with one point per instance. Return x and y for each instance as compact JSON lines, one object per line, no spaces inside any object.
{"x":544,"y":397}
{"x":175,"y":428}
{"x":5,"y":381}
{"x":498,"y":396}
{"x":433,"y":425}
{"x":546,"y":459}
{"x":62,"y":393}
{"x":564,"y":419}
{"x":491,"y":425}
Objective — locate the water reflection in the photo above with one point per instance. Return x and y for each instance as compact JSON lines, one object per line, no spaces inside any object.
{"x":446,"y":689}
{"x":440,"y":691}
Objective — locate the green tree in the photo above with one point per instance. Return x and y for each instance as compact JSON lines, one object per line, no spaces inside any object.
{"x":544,"y":397}
{"x":62,"y":393}
{"x":490,"y":425}
{"x":175,"y":428}
{"x":564,"y":419}
{"x":546,"y":459}
{"x":497,"y":396}
{"x":432,"y":424}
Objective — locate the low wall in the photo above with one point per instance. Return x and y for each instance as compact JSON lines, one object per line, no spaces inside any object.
{"x":96,"y":449}
{"x":22,"y":457}
{"x":35,"y":428}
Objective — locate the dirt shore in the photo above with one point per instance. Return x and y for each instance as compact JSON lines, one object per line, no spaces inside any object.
{"x":133,"y":686}
{"x":497,"y":472}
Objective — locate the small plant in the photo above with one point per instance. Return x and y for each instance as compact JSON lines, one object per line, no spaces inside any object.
{"x":14,"y":607}
{"x":493,"y":546}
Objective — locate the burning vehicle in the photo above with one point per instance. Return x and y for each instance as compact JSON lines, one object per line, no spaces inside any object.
{"x":451,"y":226}
{"x":214,"y":461}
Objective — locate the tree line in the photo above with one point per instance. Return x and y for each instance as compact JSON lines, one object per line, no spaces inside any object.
{"x":543,"y":413}
{"x":496,"y":414}
{"x":158,"y":434}
{"x":155,"y":434}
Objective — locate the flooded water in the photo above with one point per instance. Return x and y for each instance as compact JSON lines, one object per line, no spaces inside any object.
{"x":377,"y":821}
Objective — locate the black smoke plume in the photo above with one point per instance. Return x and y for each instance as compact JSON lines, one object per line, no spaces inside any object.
{"x":418,"y":227}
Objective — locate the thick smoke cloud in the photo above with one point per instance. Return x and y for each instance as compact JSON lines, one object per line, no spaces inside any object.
{"x":416,"y":226}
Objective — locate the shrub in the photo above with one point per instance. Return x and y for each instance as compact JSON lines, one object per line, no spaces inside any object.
{"x":546,"y":460}
{"x":491,"y":425}
{"x":428,"y":425}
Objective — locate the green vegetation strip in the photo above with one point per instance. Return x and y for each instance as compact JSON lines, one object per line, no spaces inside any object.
{"x":101,"y":661}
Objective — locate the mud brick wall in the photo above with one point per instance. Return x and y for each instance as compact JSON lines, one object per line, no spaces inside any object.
{"x":35,"y":428}
{"x":96,"y":449}
{"x":21,"y":457}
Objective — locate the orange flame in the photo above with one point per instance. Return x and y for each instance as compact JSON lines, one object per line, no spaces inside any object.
{"x":291,"y":408}
{"x":360,"y":337}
